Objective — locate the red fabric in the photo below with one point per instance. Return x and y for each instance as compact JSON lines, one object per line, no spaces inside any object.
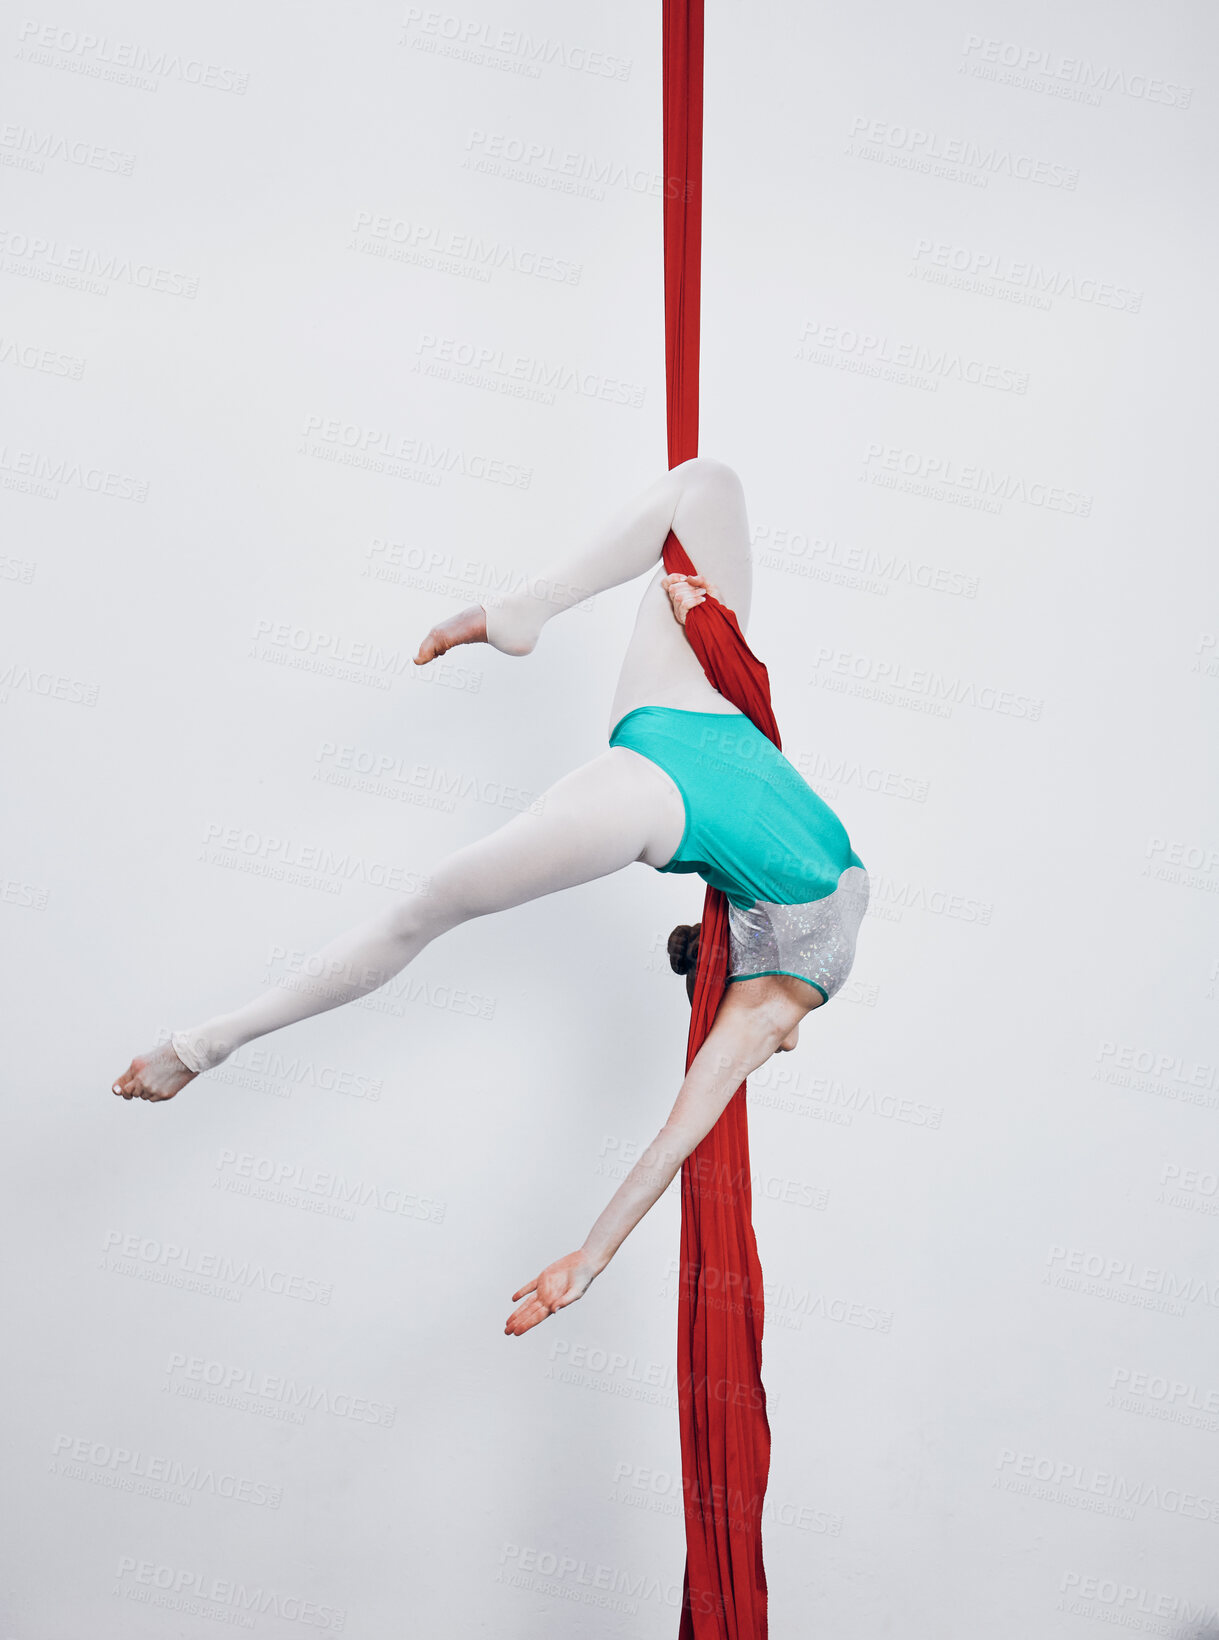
{"x":725,"y":1435}
{"x":682,"y":74}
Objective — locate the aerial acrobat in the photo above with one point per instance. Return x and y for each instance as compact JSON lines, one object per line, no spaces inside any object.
{"x":688,"y":784}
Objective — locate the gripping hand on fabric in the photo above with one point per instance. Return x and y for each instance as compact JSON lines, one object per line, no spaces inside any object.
{"x":685,"y":591}
{"x":559,"y":1284}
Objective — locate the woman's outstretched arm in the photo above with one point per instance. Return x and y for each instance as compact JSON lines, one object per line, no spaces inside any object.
{"x":755,"y":1018}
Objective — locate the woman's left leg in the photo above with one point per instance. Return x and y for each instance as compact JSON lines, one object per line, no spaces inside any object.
{"x":611,"y":812}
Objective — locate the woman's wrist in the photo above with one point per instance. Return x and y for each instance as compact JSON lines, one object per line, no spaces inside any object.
{"x":596,"y":1258}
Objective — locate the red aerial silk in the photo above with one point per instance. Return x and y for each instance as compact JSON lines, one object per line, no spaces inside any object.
{"x":725,"y":1435}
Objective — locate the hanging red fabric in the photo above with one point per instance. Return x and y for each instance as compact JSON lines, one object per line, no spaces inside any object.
{"x":725,"y":1435}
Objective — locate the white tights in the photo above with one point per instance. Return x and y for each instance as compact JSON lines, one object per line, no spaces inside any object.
{"x":603,"y":816}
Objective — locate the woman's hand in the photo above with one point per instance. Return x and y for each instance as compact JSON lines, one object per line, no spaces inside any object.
{"x":559,"y":1284}
{"x":686,"y":591}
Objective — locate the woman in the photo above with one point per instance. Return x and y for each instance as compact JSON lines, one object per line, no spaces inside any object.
{"x":688,"y":784}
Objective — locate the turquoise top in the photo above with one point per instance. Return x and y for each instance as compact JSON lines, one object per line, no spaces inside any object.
{"x":755,"y":828}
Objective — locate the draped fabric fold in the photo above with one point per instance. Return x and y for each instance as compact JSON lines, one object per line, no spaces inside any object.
{"x":725,"y":1435}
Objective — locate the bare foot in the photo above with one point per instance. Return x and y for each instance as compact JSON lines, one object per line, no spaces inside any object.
{"x":467,"y":626}
{"x":154,"y":1076}
{"x":686,"y":592}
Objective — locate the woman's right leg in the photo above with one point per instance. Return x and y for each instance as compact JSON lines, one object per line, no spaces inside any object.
{"x":615,"y":810}
{"x":703,"y":503}
{"x":660,"y":668}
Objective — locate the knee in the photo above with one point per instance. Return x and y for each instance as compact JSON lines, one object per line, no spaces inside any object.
{"x":420,"y":918}
{"x":709,"y":476}
{"x":444,"y":902}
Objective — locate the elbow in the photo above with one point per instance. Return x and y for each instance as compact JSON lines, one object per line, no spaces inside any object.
{"x":673,"y":1144}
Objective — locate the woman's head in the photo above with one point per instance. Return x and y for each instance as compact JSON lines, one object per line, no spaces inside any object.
{"x":683,"y":953}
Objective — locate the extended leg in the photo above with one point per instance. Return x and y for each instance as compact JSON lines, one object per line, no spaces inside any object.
{"x":660,"y":668}
{"x":702,"y":501}
{"x":617,"y":809}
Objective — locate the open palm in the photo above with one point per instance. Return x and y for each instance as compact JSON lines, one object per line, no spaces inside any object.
{"x":559,"y":1284}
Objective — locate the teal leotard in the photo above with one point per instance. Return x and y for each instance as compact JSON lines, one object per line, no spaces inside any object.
{"x":755,"y":828}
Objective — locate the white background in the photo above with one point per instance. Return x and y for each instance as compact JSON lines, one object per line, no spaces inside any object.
{"x":958,"y":305}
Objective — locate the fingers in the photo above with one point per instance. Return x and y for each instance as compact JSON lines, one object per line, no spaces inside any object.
{"x":698,"y":583}
{"x":686,"y":592}
{"x":532,"y":1288}
{"x":527,"y":1316}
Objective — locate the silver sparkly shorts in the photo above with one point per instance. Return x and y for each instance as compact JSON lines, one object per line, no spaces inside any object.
{"x":814,"y":942}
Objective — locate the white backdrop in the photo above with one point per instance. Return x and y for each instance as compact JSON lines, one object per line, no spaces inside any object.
{"x":283,"y":290}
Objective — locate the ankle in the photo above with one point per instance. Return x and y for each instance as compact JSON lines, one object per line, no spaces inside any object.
{"x":199,"y":1049}
{"x":514,"y":625}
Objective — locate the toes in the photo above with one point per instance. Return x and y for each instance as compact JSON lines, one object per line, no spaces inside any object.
{"x":432,"y":647}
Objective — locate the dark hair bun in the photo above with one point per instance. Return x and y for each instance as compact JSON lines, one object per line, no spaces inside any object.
{"x":683,"y":948}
